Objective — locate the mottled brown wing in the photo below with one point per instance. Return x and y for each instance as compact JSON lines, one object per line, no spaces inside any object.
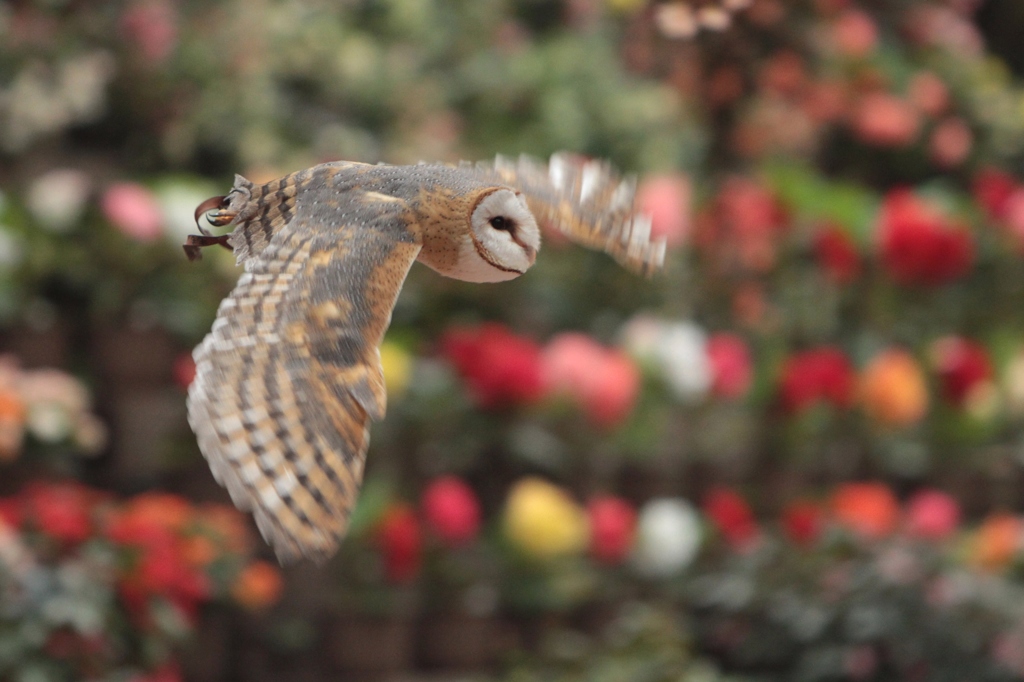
{"x":289,"y":377}
{"x":588,"y":201}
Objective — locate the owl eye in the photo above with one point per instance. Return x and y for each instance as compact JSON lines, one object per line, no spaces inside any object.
{"x":500,"y":222}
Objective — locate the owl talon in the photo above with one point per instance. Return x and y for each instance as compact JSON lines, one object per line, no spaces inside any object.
{"x":195,"y":242}
{"x":216,"y":213}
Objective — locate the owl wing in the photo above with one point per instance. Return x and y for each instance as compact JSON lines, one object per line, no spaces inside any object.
{"x":588,"y":201}
{"x":290,"y":375}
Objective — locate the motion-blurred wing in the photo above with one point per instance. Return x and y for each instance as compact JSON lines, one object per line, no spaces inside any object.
{"x":588,"y":201}
{"x":290,"y":375}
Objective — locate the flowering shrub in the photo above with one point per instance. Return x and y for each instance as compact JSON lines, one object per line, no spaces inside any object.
{"x":95,"y":586}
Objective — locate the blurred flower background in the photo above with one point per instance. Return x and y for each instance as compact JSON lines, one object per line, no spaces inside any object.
{"x":796,"y":454}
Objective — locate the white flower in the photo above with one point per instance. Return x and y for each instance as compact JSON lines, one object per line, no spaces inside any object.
{"x":676,"y":350}
{"x":668,"y":537}
{"x":683,"y":354}
{"x":56,"y":198}
{"x":50,"y":422}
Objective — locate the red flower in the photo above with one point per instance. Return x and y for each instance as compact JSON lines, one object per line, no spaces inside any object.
{"x":731,"y":516}
{"x":919,"y":245}
{"x":818,"y":375}
{"x":11,"y":512}
{"x":452,"y":510}
{"x":604,"y":382}
{"x":612,"y":527}
{"x":932,"y":515}
{"x":398,"y":538}
{"x":184,"y":370}
{"x":168,"y":672}
{"x":802,"y":522}
{"x":501,"y":369}
{"x":837,"y":254}
{"x":868,"y":509}
{"x":993,"y":189}
{"x":731,"y":367}
{"x":962,"y":366}
{"x":60,"y":510}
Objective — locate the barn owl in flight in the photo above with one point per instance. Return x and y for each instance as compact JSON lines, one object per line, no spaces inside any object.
{"x":289,"y":377}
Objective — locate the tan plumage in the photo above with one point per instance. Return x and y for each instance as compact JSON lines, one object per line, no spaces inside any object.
{"x":290,"y":376}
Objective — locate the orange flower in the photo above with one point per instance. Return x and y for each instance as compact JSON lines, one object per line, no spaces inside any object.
{"x":12,"y":425}
{"x":893,"y":389}
{"x":257,"y":586}
{"x":996,"y":542}
{"x":228,"y":525}
{"x":868,"y":509}
{"x":11,"y":408}
{"x":198,"y":550}
{"x":161,"y":509}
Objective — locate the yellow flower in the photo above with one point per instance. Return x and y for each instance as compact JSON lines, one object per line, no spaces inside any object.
{"x":397,"y":364}
{"x":543,"y":521}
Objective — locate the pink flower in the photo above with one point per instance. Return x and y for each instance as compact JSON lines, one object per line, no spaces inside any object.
{"x":928,"y":93}
{"x":133,"y":210}
{"x":732,"y":371}
{"x":747,"y":220}
{"x":666,"y":199}
{"x":452,"y":510}
{"x":932,"y":515}
{"x":950,"y":142}
{"x":152,"y":25}
{"x":612,"y":528}
{"x":855,"y":33}
{"x":885,"y":120}
{"x":604,"y":382}
{"x":731,"y":516}
{"x":500,"y":368}
{"x":1013,"y":213}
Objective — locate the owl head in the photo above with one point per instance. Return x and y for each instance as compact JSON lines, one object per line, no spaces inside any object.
{"x":493,"y":238}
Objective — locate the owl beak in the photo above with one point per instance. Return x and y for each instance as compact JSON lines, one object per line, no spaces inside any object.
{"x":531,"y":253}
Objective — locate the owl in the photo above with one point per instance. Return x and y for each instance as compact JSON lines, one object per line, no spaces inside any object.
{"x":289,"y":378}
